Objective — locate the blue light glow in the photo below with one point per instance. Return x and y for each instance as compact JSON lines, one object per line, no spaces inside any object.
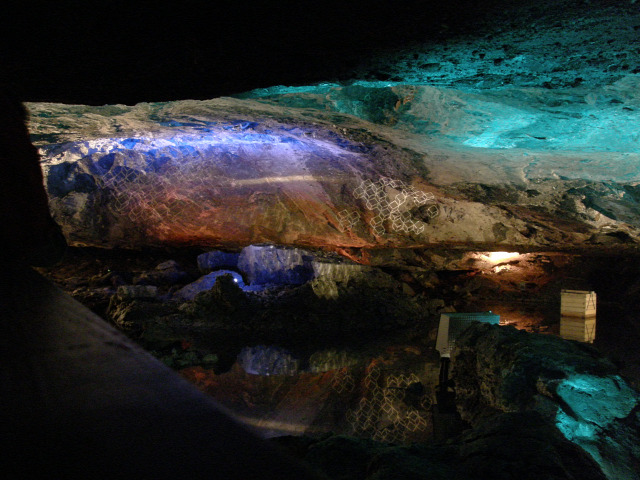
{"x":590,"y":406}
{"x":568,"y":120}
{"x":574,"y":429}
{"x":220,"y":143}
{"x":597,"y":400}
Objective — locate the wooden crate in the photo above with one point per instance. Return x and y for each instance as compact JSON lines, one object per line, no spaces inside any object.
{"x":577,"y":303}
{"x":582,"y":329}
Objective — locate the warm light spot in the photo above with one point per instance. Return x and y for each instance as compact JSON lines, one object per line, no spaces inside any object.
{"x":498,"y":257}
{"x":501,"y":268}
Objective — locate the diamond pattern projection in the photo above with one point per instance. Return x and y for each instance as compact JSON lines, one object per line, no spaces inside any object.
{"x":181,"y":192}
{"x":148,"y":196}
{"x":348,"y":219}
{"x":381,"y":414}
{"x":343,"y":382}
{"x":391,"y":201}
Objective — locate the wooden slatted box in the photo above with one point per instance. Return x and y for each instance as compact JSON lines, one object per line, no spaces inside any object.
{"x":577,"y":303}
{"x":582,"y":329}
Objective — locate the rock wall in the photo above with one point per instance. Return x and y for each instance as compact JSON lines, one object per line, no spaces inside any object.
{"x":233,"y":172}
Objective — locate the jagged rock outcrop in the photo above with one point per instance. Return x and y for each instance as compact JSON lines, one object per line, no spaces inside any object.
{"x":268,"y":360}
{"x":538,"y":406}
{"x":166,"y":273}
{"x":217,"y":260}
{"x":516,"y":446}
{"x":338,"y":270}
{"x":219,"y":314}
{"x":521,"y":139}
{"x":327,"y":360}
{"x":268,"y":264}
{"x":367,"y":397}
{"x":500,"y":370}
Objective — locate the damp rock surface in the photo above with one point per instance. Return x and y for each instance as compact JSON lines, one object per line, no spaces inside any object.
{"x":267,"y":360}
{"x":365,"y":363}
{"x":514,"y":446}
{"x":519,"y":136}
{"x":205,"y":283}
{"x":217,"y":260}
{"x":498,"y":370}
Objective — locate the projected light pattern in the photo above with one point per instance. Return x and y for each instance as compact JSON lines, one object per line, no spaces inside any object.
{"x":180,"y":180}
{"x":391,"y":200}
{"x":381,"y":413}
{"x":145,"y":197}
{"x":182,"y":177}
{"x":348,"y":219}
{"x":343,"y":382}
{"x":177,"y":180}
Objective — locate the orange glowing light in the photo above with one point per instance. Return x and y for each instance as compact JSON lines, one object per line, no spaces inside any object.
{"x":498,"y":257}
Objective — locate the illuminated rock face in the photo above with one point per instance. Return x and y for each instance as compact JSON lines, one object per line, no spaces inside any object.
{"x":448,"y":167}
{"x":216,"y":260}
{"x":205,"y":283}
{"x":521,"y":137}
{"x":498,"y":370}
{"x":522,"y":126}
{"x":265,"y":264}
{"x":214,"y":181}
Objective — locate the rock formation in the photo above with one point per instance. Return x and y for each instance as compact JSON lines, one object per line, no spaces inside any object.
{"x":231,"y":172}
{"x":501,"y":371}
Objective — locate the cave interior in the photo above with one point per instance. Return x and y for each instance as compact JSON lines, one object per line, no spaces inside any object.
{"x":279,"y":202}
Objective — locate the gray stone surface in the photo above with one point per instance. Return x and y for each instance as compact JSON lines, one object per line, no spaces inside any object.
{"x":268,"y":360}
{"x":217,"y":260}
{"x":327,"y":360}
{"x":137,"y":291}
{"x":268,"y":264}
{"x":338,"y":271}
{"x":280,"y":176}
{"x":499,"y":370}
{"x":166,"y":273}
{"x":514,"y":446}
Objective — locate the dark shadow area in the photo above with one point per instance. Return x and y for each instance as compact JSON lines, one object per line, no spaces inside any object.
{"x":123,"y":52}
{"x":79,"y":399}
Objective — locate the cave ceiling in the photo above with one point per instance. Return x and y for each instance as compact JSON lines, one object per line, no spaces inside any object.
{"x":518,"y":132}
